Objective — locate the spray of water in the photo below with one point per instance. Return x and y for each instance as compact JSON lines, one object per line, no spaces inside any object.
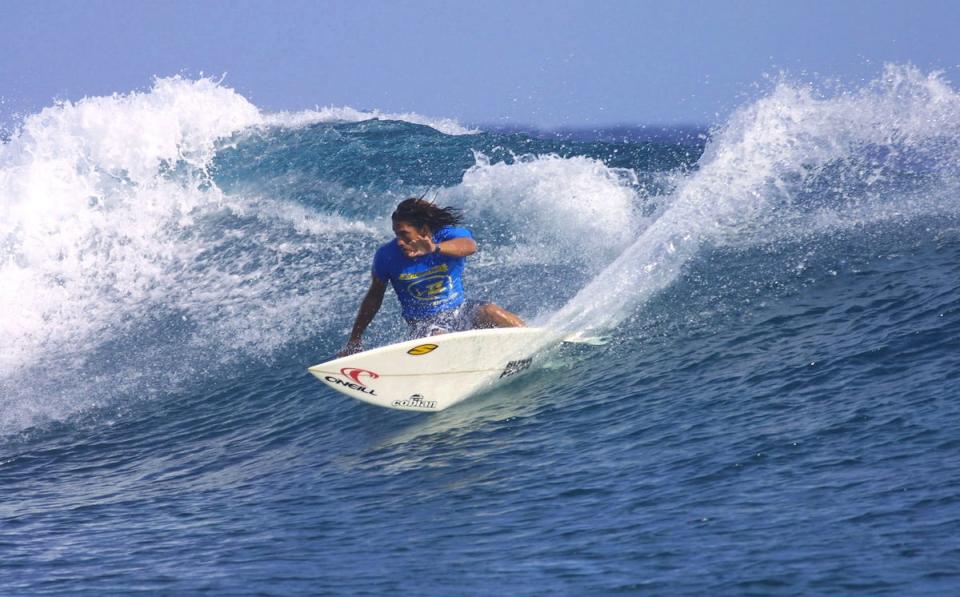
{"x":792,"y":163}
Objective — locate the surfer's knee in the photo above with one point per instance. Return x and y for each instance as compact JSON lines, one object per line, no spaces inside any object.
{"x":490,"y":315}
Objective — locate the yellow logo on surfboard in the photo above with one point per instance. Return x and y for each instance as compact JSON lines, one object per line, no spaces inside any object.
{"x":422,"y":349}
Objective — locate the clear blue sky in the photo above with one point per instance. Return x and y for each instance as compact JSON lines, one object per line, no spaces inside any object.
{"x":534,"y":62}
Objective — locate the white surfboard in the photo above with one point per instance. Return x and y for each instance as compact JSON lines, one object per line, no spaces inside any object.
{"x":433,"y":373}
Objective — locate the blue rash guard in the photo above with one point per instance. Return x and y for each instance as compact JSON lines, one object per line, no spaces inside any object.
{"x":425,"y":285}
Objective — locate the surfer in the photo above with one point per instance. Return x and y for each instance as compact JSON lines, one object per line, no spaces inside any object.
{"x":424,"y":264}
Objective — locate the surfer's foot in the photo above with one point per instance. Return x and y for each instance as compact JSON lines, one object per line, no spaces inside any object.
{"x":494,"y":316}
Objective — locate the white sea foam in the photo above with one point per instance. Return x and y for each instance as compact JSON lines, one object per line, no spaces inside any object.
{"x":84,"y":204}
{"x":113,"y":234}
{"x":573,"y":209}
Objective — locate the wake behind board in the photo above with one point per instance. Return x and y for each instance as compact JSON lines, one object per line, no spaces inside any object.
{"x":433,"y":373}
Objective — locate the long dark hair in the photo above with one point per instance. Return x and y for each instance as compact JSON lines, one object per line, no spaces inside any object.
{"x":419,"y":212}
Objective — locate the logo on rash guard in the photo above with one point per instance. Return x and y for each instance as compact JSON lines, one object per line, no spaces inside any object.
{"x":355,"y":374}
{"x":431,"y":288}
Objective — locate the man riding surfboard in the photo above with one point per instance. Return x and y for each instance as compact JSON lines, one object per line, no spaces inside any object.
{"x":424,"y":263}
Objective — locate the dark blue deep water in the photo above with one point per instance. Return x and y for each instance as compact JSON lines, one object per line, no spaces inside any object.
{"x":770,"y":406}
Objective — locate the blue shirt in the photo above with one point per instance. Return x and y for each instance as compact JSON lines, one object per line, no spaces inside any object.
{"x":425,"y":285}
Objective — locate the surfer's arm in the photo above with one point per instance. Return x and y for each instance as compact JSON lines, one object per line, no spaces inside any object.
{"x":368,"y":310}
{"x":457,"y":247}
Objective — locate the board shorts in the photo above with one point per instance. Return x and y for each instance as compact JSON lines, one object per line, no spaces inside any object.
{"x":458,"y":319}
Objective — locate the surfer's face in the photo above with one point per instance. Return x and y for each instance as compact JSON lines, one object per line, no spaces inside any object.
{"x":408,"y":236}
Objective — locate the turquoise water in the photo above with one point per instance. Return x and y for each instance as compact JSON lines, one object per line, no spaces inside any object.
{"x":774,"y":410}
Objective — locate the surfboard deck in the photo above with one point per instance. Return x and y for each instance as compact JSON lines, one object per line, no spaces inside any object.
{"x":433,"y":373}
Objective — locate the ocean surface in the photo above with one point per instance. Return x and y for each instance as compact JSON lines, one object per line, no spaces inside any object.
{"x":772,"y":406}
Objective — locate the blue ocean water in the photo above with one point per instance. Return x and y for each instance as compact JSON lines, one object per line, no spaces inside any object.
{"x":775,"y":409}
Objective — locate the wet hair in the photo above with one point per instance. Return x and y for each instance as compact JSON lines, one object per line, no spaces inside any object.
{"x":419,"y":212}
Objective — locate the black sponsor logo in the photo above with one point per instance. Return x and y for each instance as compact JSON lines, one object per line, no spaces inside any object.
{"x":416,"y":401}
{"x":514,"y":367}
{"x":351,"y":385}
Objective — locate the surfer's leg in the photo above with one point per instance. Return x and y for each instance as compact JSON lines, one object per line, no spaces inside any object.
{"x":489,"y":315}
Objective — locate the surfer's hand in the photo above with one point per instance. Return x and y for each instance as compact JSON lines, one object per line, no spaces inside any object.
{"x":420,"y":247}
{"x":352,"y":347}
